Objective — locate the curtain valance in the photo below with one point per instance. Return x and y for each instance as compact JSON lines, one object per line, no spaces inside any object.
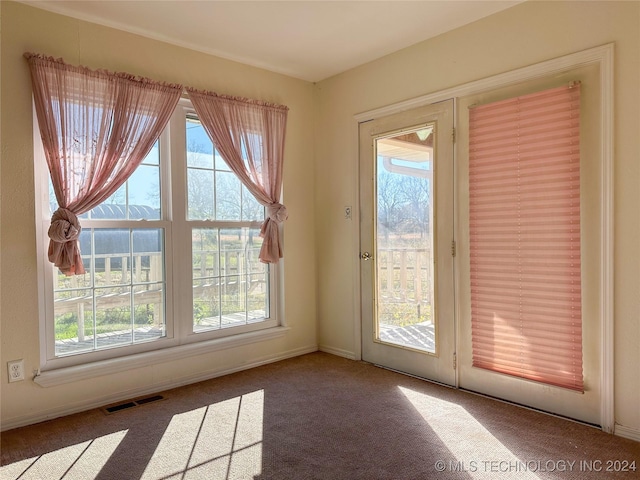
{"x":97,"y":127}
{"x":250,"y":136}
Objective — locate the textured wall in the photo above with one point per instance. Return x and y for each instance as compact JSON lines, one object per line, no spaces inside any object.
{"x":525,"y":34}
{"x":28,"y":29}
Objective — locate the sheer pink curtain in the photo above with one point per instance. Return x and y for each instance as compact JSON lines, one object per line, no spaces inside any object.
{"x":250,"y":137}
{"x":96,"y":128}
{"x":524,"y":222}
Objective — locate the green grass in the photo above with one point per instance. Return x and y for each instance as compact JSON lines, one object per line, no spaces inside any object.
{"x":112,"y":320}
{"x":403,"y":314}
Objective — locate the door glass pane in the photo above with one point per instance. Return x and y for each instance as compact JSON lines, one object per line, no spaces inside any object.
{"x":404,"y":239}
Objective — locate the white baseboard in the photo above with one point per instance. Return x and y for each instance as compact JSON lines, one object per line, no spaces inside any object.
{"x":25,"y":420}
{"x":337,"y":351}
{"x":627,"y":432}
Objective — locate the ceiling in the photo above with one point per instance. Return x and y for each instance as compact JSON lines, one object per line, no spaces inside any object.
{"x":310,"y":40}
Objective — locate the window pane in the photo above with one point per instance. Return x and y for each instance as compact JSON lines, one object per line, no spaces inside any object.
{"x":214,"y":191}
{"x":121,"y":298}
{"x":153,"y":157}
{"x":205,"y":257}
{"x":254,"y":243}
{"x":64,"y":282}
{"x":149,"y":317}
{"x":144,"y":193}
{"x":221,"y":163}
{"x":257,"y":296}
{"x":113,"y":316}
{"x":147,"y":255}
{"x":233,"y":306}
{"x":73,"y":321}
{"x":230,"y":286}
{"x":206,"y":293}
{"x":148,"y":301}
{"x":206,"y":304}
{"x":405,"y":238}
{"x":199,"y":145}
{"x":138,"y":197}
{"x":112,"y":256}
{"x":251,"y":208}
{"x":114,"y":207}
{"x":53,"y":202}
{"x":140,"y":194}
{"x":228,"y":196}
{"x":200,"y":194}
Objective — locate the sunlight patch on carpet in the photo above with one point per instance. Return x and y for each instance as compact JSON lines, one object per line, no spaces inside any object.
{"x":478,"y":453}
{"x":221,"y":440}
{"x":79,"y":461}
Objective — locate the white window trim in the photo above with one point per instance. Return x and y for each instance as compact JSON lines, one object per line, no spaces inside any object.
{"x":180,"y":341}
{"x":76,"y":373}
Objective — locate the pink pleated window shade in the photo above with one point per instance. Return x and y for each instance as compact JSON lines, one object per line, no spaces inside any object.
{"x":524,"y":188}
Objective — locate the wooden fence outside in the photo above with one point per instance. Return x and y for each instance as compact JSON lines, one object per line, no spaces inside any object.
{"x":404,"y":275}
{"x":227,"y":272}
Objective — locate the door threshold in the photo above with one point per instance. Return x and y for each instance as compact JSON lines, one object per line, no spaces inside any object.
{"x":425,"y":379}
{"x":490,"y":397}
{"x":508,"y":402}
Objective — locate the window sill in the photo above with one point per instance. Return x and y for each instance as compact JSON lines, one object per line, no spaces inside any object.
{"x":76,"y":373}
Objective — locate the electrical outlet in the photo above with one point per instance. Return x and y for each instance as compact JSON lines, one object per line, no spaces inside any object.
{"x":347,"y":212}
{"x":16,"y":370}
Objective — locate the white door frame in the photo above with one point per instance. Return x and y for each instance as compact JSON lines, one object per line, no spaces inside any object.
{"x":603,"y":57}
{"x":437,"y":365}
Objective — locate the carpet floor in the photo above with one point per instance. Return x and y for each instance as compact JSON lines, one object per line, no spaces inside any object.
{"x":317,"y":416}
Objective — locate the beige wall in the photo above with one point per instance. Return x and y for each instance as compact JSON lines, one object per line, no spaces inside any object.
{"x":523,"y":35}
{"x":28,"y":29}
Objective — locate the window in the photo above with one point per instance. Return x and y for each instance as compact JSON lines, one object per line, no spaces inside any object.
{"x":182,"y":203}
{"x":230,"y":284}
{"x":120,"y":298}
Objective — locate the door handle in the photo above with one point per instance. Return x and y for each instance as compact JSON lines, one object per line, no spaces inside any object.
{"x":366,"y":256}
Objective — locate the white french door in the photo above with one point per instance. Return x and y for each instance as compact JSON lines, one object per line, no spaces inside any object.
{"x":387,"y":338}
{"x":584,"y":406}
{"x":406,"y":231}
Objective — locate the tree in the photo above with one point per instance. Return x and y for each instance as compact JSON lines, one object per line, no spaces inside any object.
{"x":199,"y":181}
{"x":416,"y":192}
{"x":404,"y":203}
{"x":232,"y":200}
{"x":390,"y":202}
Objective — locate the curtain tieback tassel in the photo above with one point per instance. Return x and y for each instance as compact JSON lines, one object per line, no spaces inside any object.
{"x":277,"y":212}
{"x":64,"y":226}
